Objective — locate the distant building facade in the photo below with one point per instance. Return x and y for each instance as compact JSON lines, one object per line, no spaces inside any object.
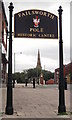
{"x":3,"y":41}
{"x":67,"y":71}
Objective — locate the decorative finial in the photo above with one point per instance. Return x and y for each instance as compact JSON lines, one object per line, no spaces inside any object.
{"x":60,"y":7}
{"x":60,"y":10}
{"x":11,"y":6}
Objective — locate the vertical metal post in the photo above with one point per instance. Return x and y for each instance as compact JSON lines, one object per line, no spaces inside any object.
{"x":33,"y":82}
{"x":0,"y":42}
{"x":14,"y":62}
{"x":37,"y":76}
{"x":0,"y":63}
{"x":61,"y":107}
{"x":9,"y":104}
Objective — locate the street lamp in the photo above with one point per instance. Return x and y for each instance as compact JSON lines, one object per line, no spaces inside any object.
{"x":14,"y":62}
{"x":15,"y":58}
{"x":14,"y":68}
{"x":26,"y":78}
{"x":37,"y":76}
{"x":0,"y":61}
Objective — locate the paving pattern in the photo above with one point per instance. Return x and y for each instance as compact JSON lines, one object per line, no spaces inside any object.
{"x":41,"y":102}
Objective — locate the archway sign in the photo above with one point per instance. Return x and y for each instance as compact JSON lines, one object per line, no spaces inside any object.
{"x":35,"y":24}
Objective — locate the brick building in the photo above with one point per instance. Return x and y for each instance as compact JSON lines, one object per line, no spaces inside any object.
{"x":67,"y":70}
{"x":3,"y":40}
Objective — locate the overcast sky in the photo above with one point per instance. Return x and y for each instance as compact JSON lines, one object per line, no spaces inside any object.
{"x":49,"y":49}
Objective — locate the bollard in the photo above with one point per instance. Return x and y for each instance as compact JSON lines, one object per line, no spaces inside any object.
{"x":33,"y":82}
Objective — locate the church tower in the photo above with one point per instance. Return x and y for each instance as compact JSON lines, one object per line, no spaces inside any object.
{"x":41,"y":78}
{"x":38,"y":61}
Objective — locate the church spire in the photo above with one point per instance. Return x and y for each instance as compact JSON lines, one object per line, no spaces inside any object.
{"x":38,"y":60}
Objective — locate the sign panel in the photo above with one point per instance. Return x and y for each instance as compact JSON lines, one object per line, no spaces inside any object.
{"x":36,"y":24}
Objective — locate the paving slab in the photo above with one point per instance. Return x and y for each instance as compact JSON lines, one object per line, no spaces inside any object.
{"x":41,"y":102}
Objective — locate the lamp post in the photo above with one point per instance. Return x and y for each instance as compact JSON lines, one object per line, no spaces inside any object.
{"x":15,"y":59}
{"x":9,"y":104}
{"x":14,"y":72}
{"x":0,"y":63}
{"x":61,"y":107}
{"x":37,"y":76}
{"x":15,"y":67}
{"x":14,"y":62}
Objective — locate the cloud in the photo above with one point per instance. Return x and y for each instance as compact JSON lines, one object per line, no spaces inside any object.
{"x":25,"y":62}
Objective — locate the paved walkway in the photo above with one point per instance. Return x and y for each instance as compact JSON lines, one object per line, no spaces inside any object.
{"x":41,"y":102}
